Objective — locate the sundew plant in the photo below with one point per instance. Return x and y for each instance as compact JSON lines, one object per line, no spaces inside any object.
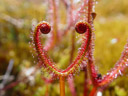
{"x":80,"y":15}
{"x":63,"y":48}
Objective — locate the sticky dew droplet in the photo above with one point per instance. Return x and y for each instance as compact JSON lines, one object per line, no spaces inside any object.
{"x":97,"y":2}
{"x":70,"y":76}
{"x":115,"y":76}
{"x":32,"y":55}
{"x":81,"y":66}
{"x":120,"y":73}
{"x":126,"y":64}
{"x":77,"y":36}
{"x":52,"y":74}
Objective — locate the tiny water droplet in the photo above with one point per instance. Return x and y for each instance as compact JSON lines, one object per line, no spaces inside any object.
{"x":81,"y":66}
{"x":126,"y":64}
{"x":120,"y":72}
{"x":108,"y":73}
{"x":115,"y":76}
{"x":96,"y":2}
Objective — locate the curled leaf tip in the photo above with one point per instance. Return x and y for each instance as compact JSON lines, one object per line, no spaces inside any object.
{"x":81,"y":27}
{"x":45,"y":28}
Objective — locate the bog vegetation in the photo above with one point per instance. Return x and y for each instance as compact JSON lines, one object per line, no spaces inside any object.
{"x":19,"y":18}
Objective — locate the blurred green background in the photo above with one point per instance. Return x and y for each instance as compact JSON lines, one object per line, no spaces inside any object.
{"x":16,"y":19}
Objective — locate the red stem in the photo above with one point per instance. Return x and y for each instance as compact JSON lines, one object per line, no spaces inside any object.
{"x":93,"y":92}
{"x":118,"y":69}
{"x":72,"y":86}
{"x":85,"y":83}
{"x":54,"y":19}
{"x":91,"y":67}
{"x":62,"y":86}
